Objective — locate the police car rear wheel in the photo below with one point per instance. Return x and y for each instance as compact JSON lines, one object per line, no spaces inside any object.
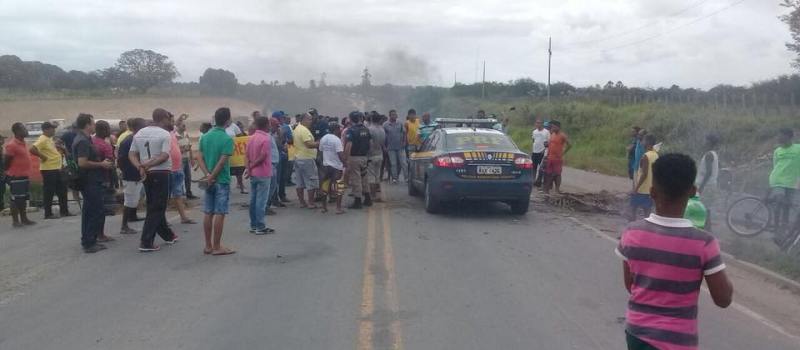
{"x":520,"y":207}
{"x":412,"y":191}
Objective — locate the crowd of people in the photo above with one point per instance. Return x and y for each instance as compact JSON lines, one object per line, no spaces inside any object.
{"x":784,"y":177}
{"x":153,"y":160}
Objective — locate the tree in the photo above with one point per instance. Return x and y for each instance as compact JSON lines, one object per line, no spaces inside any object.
{"x":146,"y":68}
{"x":793,"y":20}
{"x":218,"y":82}
{"x":115,"y":77}
{"x":312,"y":84}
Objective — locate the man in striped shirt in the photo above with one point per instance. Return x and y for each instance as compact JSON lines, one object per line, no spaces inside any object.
{"x":665,"y":262}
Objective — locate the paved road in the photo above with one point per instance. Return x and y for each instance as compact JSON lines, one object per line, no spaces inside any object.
{"x":391,"y":277}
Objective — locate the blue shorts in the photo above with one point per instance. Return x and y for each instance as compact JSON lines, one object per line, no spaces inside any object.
{"x":640,"y":200}
{"x":177,"y":187}
{"x":216,"y":199}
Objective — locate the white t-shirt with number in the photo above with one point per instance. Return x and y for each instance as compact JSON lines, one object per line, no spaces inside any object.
{"x":330,"y":145}
{"x":150,"y":142}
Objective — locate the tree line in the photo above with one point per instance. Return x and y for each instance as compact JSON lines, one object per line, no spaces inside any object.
{"x":136,"y":70}
{"x":140,"y":70}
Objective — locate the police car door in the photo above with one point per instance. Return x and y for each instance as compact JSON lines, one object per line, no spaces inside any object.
{"x":424,"y":158}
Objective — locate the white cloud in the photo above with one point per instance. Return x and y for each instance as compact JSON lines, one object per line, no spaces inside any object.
{"x":297,"y":40}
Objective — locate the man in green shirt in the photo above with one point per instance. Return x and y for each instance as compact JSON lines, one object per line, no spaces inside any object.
{"x":216,"y":148}
{"x":783,"y":179}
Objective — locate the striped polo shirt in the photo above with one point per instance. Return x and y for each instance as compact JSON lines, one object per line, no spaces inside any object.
{"x":668,"y":258}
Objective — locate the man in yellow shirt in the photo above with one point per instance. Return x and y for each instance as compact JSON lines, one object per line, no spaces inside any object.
{"x":305,"y":165}
{"x":125,"y":131}
{"x":238,"y":161}
{"x":50,"y":162}
{"x":640,"y":197}
{"x":412,"y":132}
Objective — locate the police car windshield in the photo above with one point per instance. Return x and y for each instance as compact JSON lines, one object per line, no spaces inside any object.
{"x":476,"y":141}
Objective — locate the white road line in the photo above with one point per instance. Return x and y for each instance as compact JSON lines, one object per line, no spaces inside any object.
{"x":739,"y":307}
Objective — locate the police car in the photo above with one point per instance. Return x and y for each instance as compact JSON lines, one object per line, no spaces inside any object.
{"x":467,"y":159}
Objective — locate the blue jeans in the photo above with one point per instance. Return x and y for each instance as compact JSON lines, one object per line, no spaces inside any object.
{"x":273,"y":185}
{"x":216,"y":199}
{"x":259,"y":194}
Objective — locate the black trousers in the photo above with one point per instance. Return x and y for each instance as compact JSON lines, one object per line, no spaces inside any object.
{"x":187,"y":177}
{"x":93,"y":219}
{"x":2,"y":193}
{"x":53,"y":184}
{"x":156,"y":188}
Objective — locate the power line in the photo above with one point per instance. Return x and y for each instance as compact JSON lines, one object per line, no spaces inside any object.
{"x":637,"y":29}
{"x":712,"y":14}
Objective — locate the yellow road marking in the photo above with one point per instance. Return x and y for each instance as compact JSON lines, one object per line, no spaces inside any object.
{"x":391,"y":281}
{"x":365,"y":328}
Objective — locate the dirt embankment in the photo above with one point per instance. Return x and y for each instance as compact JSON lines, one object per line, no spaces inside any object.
{"x":199,"y":108}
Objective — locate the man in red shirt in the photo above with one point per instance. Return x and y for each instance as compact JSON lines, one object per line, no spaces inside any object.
{"x":17,"y":162}
{"x":557,"y":147}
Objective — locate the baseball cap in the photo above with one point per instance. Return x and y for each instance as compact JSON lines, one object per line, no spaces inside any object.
{"x":278,"y":114}
{"x":312,"y":111}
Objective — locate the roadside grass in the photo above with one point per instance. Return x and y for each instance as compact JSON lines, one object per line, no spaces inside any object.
{"x":600,"y":132}
{"x":764,"y":255}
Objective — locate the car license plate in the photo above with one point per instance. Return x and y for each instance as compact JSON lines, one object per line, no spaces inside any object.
{"x":490,"y":170}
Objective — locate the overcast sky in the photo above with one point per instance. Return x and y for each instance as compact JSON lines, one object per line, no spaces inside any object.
{"x":414,"y":41}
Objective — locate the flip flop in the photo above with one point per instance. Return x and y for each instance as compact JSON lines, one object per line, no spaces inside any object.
{"x":223,"y":251}
{"x":107,"y":239}
{"x":207,"y":251}
{"x":188,"y":222}
{"x":340,"y":212}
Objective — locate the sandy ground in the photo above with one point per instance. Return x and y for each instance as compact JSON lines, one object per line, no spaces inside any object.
{"x":200,"y":108}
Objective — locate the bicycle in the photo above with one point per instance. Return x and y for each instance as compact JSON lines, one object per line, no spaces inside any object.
{"x":751,"y":216}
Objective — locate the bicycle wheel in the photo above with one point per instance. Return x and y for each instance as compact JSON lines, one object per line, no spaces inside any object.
{"x":748,"y":217}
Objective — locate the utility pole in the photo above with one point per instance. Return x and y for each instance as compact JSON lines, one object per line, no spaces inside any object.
{"x":483,"y":84}
{"x":455,"y":78}
{"x":549,"y":60}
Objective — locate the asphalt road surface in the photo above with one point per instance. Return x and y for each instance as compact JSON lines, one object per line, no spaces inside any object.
{"x":390,"y":277}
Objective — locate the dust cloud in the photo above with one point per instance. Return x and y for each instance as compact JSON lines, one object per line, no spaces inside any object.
{"x":402,"y":68}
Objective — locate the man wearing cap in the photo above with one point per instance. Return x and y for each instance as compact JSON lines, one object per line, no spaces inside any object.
{"x":287,"y":165}
{"x":357,"y":145}
{"x":283,"y":135}
{"x":50,"y":162}
{"x":275,"y":159}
